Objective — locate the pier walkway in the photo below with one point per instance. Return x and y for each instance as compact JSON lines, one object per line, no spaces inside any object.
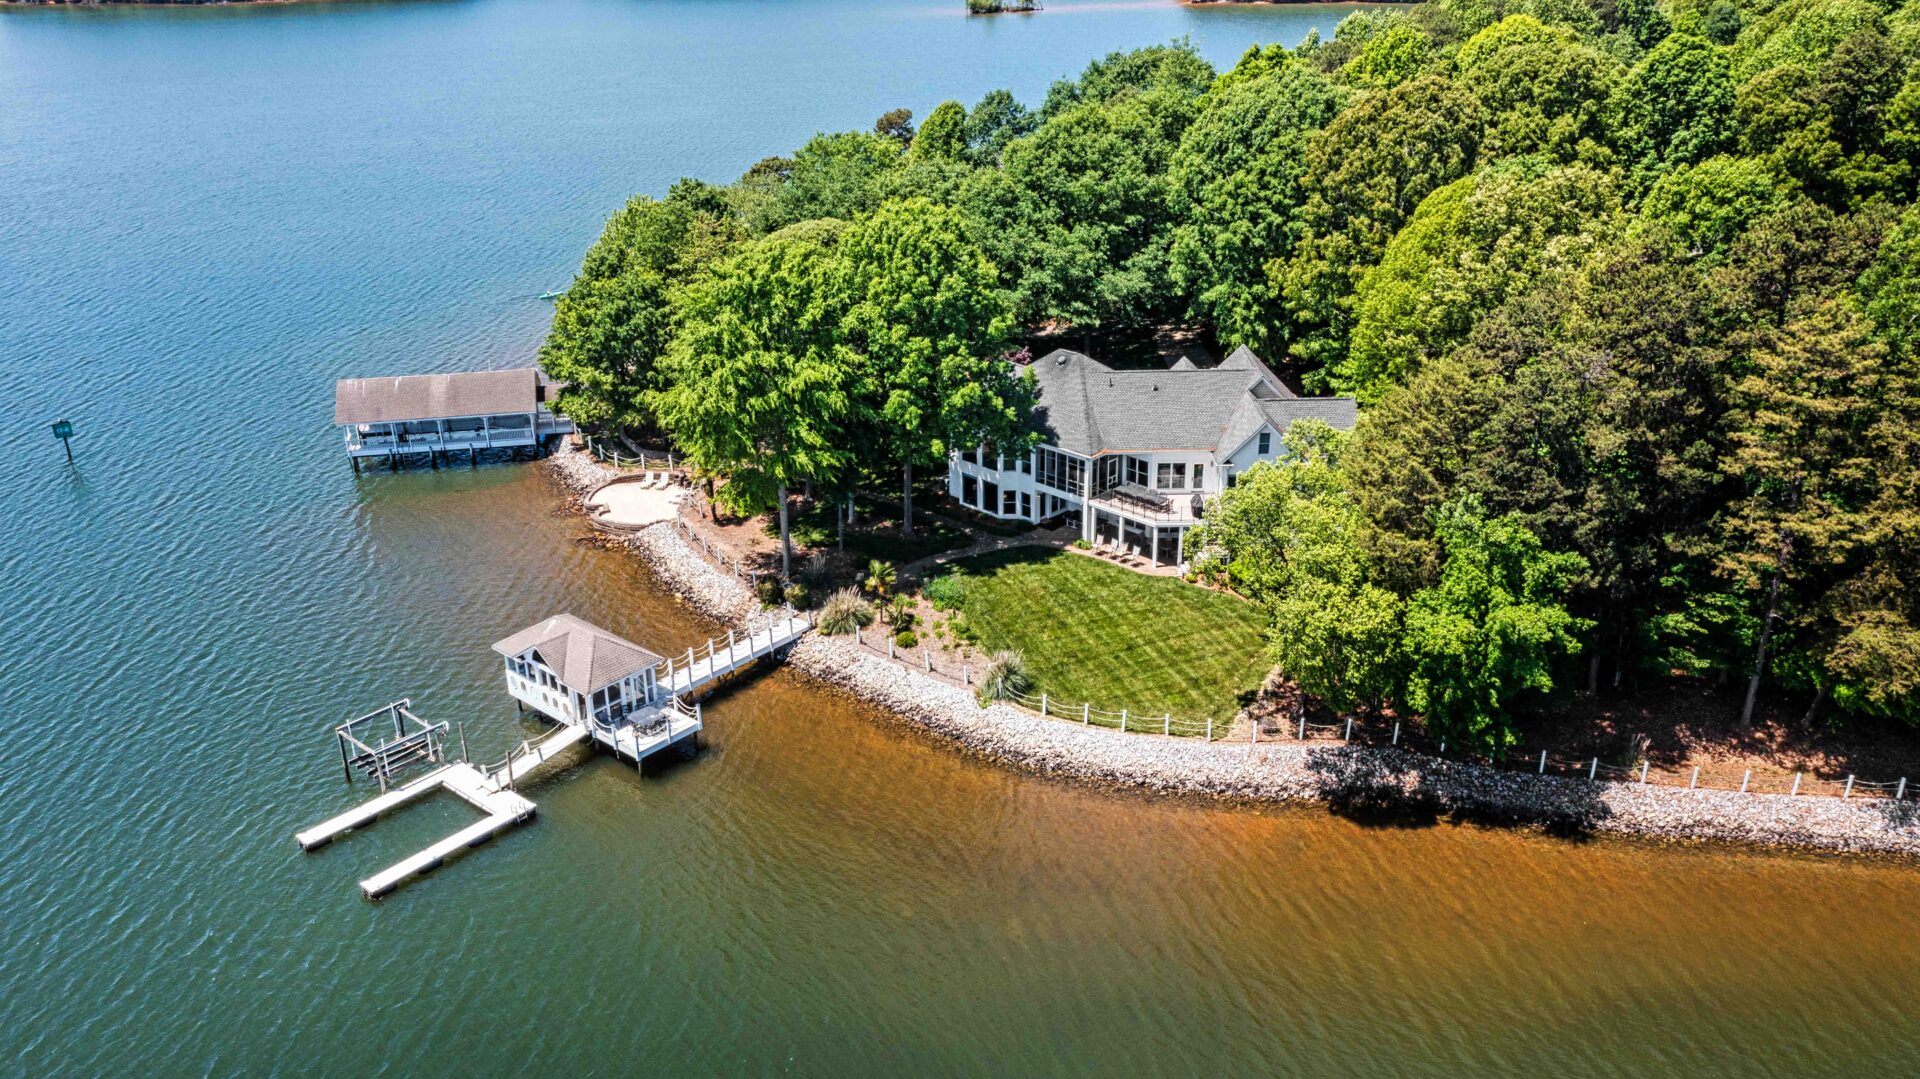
{"x":722,"y":656}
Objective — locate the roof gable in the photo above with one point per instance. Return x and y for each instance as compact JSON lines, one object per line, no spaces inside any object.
{"x":1086,"y":407}
{"x":585,"y":657}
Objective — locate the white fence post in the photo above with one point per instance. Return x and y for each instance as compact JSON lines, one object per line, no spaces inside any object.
{"x":1086,"y":712}
{"x":1593,"y":769}
{"x":1902,"y":792}
{"x":928,"y":656}
{"x":1396,"y":732}
{"x":1123,"y":721}
{"x":1796,"y":785}
{"x":1643,"y":773}
{"x":1209,"y":728}
{"x":1043,"y":702}
{"x":889,"y":647}
{"x":966,"y":675}
{"x":1543,"y":762}
{"x":1849,"y":790}
{"x":1349,"y":736}
{"x":1746,"y":779}
{"x":1443,"y":747}
{"x":1695,"y":781}
{"x":1303,"y":727}
{"x":1166,"y":723}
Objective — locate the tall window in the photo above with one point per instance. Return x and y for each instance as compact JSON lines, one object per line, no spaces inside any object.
{"x":1137,"y":471}
{"x":1199,"y":474}
{"x":1266,"y":443}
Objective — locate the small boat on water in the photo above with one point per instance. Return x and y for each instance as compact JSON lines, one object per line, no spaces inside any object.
{"x":554,"y":295}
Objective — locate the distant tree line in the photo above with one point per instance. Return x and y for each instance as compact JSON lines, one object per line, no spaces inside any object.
{"x":1627,"y":290}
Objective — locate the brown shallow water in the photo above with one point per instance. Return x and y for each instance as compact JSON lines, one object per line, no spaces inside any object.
{"x":827,"y":889}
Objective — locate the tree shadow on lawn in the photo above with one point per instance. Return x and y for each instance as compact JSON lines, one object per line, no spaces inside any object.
{"x":1388,"y":788}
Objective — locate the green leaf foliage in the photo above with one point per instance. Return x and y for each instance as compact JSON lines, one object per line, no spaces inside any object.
{"x":1365,"y":174}
{"x":1236,"y":179}
{"x":1706,"y":205}
{"x":1488,"y":634}
{"x":833,"y":176}
{"x":1468,"y":246}
{"x":924,"y":332}
{"x":1675,"y":106}
{"x":1543,"y":90}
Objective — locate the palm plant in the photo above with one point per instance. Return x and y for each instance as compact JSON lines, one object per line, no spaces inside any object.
{"x":880,"y":578}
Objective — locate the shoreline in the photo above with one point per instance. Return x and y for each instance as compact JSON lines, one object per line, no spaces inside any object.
{"x":1362,"y":782}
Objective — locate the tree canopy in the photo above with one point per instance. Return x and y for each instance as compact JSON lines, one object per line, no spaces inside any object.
{"x":1626,"y":290}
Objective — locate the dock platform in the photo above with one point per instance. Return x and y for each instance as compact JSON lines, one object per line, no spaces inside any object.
{"x":489,"y":791}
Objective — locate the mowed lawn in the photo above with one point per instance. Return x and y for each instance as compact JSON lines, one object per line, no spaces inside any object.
{"x":1091,"y":631}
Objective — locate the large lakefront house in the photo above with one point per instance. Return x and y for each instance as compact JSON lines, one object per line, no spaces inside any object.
{"x":1136,"y":454}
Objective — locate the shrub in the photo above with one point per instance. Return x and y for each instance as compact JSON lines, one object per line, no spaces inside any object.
{"x":1081,"y":545}
{"x":815,"y":572}
{"x":1005,"y":675}
{"x":900,"y":613}
{"x":769,"y":590}
{"x":797,"y":593}
{"x":948,"y":591}
{"x":906,"y":638}
{"x":843,"y":611}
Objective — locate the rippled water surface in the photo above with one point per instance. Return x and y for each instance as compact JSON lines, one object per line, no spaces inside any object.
{"x":212,"y":214}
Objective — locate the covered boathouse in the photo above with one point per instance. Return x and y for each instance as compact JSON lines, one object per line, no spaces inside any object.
{"x":446,"y":413}
{"x":572,"y":671}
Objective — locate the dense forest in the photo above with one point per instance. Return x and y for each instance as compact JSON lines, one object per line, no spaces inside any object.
{"x":1627,"y":291}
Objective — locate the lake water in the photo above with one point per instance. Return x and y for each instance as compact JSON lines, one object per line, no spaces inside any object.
{"x":212,"y":214}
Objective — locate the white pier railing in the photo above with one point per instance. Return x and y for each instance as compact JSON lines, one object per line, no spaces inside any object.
{"x":721,"y":656}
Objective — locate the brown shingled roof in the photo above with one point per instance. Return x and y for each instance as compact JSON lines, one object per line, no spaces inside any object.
{"x":586,"y":657}
{"x":435,"y":397}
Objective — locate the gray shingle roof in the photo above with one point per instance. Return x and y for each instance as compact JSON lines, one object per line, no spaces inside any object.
{"x":1243,"y":359}
{"x":1089,"y":408}
{"x":586,"y":657}
{"x":435,"y":397}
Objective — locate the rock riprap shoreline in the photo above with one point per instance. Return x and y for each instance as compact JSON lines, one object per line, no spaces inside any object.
{"x":707,"y":589}
{"x":1356,"y":780}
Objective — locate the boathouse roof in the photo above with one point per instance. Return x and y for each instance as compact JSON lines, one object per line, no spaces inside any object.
{"x":586,"y":657}
{"x":436,"y":397}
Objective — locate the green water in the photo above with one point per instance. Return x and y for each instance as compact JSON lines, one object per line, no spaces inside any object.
{"x":212,"y":214}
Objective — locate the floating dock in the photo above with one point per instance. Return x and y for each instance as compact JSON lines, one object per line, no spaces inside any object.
{"x":596,"y":687}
